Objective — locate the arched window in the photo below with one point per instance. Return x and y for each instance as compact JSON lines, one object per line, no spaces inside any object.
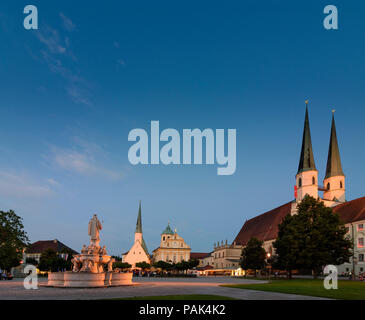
{"x":300,"y":182}
{"x":341,"y":185}
{"x":328,"y":186}
{"x":313,"y":180}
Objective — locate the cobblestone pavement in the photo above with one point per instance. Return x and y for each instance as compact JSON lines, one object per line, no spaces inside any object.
{"x":144,"y":287}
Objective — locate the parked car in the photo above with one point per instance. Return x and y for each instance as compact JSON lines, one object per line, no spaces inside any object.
{"x":6,"y":276}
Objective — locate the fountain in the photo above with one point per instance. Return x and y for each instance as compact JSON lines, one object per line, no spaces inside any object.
{"x":92,"y":268}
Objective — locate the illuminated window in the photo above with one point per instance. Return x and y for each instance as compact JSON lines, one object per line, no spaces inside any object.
{"x":360,"y":243}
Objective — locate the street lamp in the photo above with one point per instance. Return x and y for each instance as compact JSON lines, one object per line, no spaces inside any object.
{"x":268,"y":255}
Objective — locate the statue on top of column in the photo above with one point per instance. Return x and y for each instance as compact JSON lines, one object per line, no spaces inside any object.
{"x":93,"y":230}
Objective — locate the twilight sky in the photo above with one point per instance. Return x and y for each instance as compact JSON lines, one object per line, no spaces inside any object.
{"x":71,"y":91}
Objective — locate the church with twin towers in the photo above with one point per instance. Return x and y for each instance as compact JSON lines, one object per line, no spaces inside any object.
{"x":332,"y":191}
{"x":307,"y":176}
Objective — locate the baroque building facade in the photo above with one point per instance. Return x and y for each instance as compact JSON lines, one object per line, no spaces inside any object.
{"x":172,"y":249}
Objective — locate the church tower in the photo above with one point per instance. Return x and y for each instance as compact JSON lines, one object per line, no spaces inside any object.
{"x":138,"y":236}
{"x":307,"y":175}
{"x":138,"y":252}
{"x":334,"y":181}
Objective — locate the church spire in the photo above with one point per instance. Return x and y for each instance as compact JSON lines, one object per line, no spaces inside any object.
{"x":139,"y":220}
{"x":306,"y":162}
{"x":334,"y":167}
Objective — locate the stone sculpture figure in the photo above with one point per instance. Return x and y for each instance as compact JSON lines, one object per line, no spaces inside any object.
{"x":110,"y":264}
{"x":84,"y":249}
{"x":94,"y":228}
{"x":103,"y":251}
{"x":87,"y":265}
{"x":76,"y":265}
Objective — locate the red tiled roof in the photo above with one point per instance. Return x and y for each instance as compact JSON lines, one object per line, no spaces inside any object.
{"x":42,"y":245}
{"x":263,"y":227}
{"x":351,"y":211}
{"x":199,"y":255}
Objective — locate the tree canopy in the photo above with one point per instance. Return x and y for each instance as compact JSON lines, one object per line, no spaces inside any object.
{"x":312,"y":238}
{"x":143,"y":265}
{"x":13,"y":239}
{"x":121,"y":265}
{"x":51,"y":261}
{"x":253,"y":255}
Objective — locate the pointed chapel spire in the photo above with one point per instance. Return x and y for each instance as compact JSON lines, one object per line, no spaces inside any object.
{"x":334,"y":167}
{"x":306,"y":162}
{"x":139,"y":220}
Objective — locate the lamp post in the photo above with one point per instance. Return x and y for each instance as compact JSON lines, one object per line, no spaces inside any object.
{"x":268,"y":255}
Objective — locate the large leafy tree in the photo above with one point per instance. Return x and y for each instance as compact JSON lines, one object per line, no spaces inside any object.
{"x":253,"y":255}
{"x":122,"y":265}
{"x":51,"y":261}
{"x":13,"y":239}
{"x":193,"y":263}
{"x":312,"y":238}
{"x":143,"y":265}
{"x":162,"y":265}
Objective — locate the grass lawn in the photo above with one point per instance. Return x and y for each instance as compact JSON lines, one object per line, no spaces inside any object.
{"x":348,"y":290}
{"x":180,"y":297}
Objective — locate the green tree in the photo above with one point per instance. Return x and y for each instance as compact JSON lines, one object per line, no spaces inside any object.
{"x":117,"y":258}
{"x":162,"y":265}
{"x":50,"y":261}
{"x":312,"y":238}
{"x":253,"y":255}
{"x":193,"y":263}
{"x":288,"y":245}
{"x":66,"y":264}
{"x":31,"y":261}
{"x":122,"y":265}
{"x":183,"y":265}
{"x":143,"y":265}
{"x":13,"y":239}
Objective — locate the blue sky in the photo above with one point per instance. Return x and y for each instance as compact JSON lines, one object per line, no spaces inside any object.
{"x":73,"y":89}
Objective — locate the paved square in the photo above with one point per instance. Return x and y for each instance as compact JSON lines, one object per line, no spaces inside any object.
{"x":145,"y":287}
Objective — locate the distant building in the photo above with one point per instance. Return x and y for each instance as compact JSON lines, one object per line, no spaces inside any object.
{"x":172,"y":248}
{"x":200,"y":256}
{"x":138,"y":252}
{"x":37,"y":248}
